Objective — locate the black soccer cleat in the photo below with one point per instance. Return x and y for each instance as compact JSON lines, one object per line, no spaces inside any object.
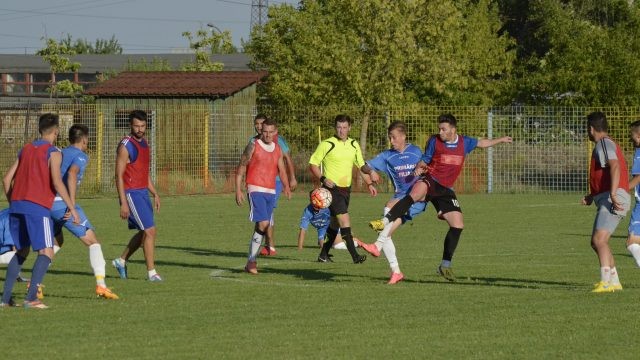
{"x":359,"y":259}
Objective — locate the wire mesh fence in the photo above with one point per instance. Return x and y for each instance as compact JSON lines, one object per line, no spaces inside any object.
{"x":195,"y":148}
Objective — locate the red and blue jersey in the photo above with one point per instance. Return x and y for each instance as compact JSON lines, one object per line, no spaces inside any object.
{"x":263,"y":167}
{"x":136,"y":174}
{"x":600,"y":172}
{"x":445,"y":159}
{"x":399,"y":167}
{"x":32,"y":180}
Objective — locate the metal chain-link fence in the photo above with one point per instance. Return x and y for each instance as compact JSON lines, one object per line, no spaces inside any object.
{"x":197,"y":147}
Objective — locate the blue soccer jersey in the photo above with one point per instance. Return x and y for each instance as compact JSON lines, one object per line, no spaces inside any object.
{"x":318,"y":218}
{"x":73,"y":156}
{"x":6,"y":242}
{"x":399,"y":167}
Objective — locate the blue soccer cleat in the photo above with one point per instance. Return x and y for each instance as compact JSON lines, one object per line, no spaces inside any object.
{"x":122,"y":269}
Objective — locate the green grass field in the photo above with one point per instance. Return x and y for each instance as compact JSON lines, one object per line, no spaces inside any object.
{"x":524,"y":265}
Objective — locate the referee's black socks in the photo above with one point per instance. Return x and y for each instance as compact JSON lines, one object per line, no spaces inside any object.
{"x":331,"y":238}
{"x":345,"y":232}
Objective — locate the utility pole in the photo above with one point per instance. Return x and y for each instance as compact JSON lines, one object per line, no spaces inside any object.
{"x":258,"y":13}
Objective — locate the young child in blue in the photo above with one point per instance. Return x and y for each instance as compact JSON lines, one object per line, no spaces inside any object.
{"x":319,"y":219}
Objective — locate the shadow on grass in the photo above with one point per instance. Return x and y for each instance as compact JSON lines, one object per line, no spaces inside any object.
{"x":204,"y":252}
{"x":506,"y":282}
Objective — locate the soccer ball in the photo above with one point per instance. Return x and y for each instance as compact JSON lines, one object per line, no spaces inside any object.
{"x":321,"y":198}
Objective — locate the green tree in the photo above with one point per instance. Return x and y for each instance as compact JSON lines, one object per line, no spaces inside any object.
{"x":381,"y":53}
{"x":100,"y":46}
{"x":578,"y":52}
{"x":58,"y":57}
{"x":205,"y":43}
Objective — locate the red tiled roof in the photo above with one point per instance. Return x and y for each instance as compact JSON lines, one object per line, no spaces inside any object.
{"x":177,"y":83}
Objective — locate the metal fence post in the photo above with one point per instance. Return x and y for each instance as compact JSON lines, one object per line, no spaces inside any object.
{"x":490,"y":153}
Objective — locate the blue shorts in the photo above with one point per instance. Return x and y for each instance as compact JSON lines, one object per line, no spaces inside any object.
{"x":140,"y":209}
{"x":78,"y":230}
{"x":31,"y":229}
{"x":261,"y":206}
{"x":634,"y":222}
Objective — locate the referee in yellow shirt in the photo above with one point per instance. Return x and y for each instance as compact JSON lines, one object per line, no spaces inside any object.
{"x":337,"y":155}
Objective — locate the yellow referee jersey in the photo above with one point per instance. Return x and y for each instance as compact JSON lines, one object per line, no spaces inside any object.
{"x":338,"y":158}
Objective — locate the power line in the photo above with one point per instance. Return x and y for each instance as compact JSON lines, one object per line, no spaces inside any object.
{"x":59,"y":7}
{"x":124,"y":17}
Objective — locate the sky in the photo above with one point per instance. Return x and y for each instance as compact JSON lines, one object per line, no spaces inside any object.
{"x":140,"y":26}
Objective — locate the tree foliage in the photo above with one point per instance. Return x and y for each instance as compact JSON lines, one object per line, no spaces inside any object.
{"x":576,"y":52}
{"x":378,"y":52}
{"x":205,"y":43}
{"x":58,"y":57}
{"x":100,"y":46}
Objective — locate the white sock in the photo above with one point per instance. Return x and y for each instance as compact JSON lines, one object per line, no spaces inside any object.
{"x":96,"y":258}
{"x":446,"y":263}
{"x":605,"y":274}
{"x":389,"y":250}
{"x":254,"y":246}
{"x":56,"y":248}
{"x":340,"y":246}
{"x":385,"y":211}
{"x":387,"y":229}
{"x":380,"y":241}
{"x":634,"y":249}
{"x":6,"y":257}
{"x":151,"y":273}
{"x":614,"y":276}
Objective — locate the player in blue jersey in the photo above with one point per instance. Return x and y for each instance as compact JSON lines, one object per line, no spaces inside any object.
{"x":398,"y":163}
{"x":7,"y":247}
{"x":633,"y":241}
{"x":269,"y":248}
{"x":319,"y":219}
{"x":74,"y":163}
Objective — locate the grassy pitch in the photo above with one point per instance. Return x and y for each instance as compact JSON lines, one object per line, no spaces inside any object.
{"x":524,"y":265}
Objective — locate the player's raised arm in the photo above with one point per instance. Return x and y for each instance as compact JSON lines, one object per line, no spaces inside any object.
{"x":485,"y":143}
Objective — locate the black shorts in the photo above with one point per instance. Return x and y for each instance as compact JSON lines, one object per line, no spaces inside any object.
{"x":339,"y":200}
{"x":444,"y":199}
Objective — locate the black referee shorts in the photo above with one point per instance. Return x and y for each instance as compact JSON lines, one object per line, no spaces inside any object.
{"x":340,"y":200}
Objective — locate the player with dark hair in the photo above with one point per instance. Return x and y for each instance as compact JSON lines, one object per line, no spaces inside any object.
{"x":74,"y":163}
{"x":608,"y":184}
{"x":30,"y":185}
{"x":270,"y":245}
{"x":438,"y":169}
{"x":133,"y":181}
{"x":399,"y":163}
{"x":261,"y":160}
{"x":338,"y":155}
